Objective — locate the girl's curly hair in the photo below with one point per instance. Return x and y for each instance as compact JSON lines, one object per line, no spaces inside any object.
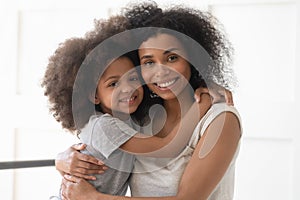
{"x":62,"y":71}
{"x":201,"y":27}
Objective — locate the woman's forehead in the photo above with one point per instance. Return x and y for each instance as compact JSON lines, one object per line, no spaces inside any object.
{"x":161,"y":41}
{"x":164,"y":43}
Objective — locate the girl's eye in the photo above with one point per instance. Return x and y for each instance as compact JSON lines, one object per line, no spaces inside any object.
{"x":134,"y":78}
{"x":172,"y":58}
{"x":113,"y":84}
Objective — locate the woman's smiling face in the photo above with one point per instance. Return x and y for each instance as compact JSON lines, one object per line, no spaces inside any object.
{"x":163,"y":65}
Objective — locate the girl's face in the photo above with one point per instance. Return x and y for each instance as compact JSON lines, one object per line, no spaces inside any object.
{"x":163,"y":66}
{"x":119,"y":88}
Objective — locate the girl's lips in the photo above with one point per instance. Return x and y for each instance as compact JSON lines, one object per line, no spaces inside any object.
{"x":128,"y":100}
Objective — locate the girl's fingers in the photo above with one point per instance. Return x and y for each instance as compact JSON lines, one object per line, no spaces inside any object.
{"x":229,"y":97}
{"x":199,"y":92}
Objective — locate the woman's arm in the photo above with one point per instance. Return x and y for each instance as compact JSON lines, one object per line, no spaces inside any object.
{"x":211,"y":158}
{"x":202,"y":174}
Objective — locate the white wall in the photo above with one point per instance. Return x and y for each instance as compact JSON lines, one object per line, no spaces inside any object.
{"x":265,"y":34}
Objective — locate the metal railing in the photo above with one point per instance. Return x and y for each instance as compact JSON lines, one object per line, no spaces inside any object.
{"x":26,"y":164}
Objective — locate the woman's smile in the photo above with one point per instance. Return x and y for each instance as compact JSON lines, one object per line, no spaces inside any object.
{"x":166,"y":84}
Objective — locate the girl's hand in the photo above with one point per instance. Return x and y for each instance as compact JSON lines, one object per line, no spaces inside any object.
{"x":205,"y":104}
{"x":74,"y":188}
{"x":78,"y":164}
{"x":217,"y":93}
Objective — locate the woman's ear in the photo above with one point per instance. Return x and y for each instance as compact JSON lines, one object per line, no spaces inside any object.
{"x":94,"y":99}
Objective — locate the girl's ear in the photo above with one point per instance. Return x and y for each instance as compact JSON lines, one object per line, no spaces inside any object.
{"x":94,"y":99}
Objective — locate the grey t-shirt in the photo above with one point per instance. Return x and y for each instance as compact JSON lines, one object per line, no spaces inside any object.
{"x":103,"y":135}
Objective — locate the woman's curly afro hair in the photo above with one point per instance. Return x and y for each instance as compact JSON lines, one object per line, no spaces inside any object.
{"x":62,"y":70}
{"x":200,"y":26}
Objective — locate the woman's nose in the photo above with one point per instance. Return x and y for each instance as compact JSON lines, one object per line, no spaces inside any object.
{"x":161,"y":70}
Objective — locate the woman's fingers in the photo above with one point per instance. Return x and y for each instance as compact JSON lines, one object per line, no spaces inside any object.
{"x":71,"y":178}
{"x":80,"y":160}
{"x":90,"y":159}
{"x":72,"y":161}
{"x":78,"y":147}
{"x":66,"y":185}
{"x":63,"y":187}
{"x":85,"y":174}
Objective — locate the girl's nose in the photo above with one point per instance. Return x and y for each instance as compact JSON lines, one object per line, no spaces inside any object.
{"x":127,"y":88}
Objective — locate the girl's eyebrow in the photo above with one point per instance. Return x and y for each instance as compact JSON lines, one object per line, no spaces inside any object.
{"x":111,"y":77}
{"x":118,"y":77}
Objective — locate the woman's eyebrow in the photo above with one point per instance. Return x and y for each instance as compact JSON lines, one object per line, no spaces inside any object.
{"x":165,"y":52}
{"x":170,"y":50}
{"x":146,"y":57}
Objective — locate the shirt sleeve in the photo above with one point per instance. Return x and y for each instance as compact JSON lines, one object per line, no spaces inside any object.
{"x":109,"y":133}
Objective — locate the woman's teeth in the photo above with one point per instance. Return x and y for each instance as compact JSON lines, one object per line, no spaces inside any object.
{"x":166,"y":84}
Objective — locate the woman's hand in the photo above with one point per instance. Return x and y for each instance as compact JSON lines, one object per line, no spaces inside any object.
{"x":78,"y":164}
{"x":74,"y":188}
{"x":217,"y":93}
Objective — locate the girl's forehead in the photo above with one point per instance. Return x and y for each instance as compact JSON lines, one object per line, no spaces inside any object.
{"x":119,"y":67}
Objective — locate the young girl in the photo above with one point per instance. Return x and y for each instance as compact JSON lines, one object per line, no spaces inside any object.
{"x":102,"y":118}
{"x":205,"y":168}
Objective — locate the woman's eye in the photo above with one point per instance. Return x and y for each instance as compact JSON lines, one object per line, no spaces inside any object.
{"x":148,"y":63}
{"x":172,"y":58}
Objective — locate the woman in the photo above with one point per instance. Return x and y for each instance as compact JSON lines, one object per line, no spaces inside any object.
{"x":205,"y":168}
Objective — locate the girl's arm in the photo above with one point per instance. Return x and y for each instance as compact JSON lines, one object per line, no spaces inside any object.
{"x":202,"y":174}
{"x":81,"y":165}
{"x":174,"y":142}
{"x":73,"y":162}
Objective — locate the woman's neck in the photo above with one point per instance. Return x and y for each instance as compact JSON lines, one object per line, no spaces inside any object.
{"x":175,"y":109}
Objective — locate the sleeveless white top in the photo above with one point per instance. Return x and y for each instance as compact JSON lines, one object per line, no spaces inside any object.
{"x":155,"y":177}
